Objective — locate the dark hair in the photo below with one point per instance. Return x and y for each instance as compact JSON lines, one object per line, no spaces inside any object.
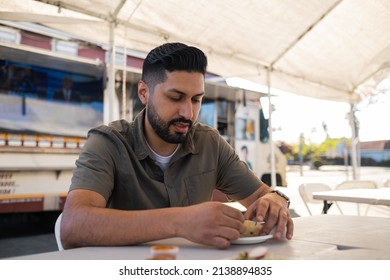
{"x":172,"y":57}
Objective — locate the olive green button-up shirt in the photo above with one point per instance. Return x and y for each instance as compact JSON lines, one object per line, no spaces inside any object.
{"x":117,"y":163}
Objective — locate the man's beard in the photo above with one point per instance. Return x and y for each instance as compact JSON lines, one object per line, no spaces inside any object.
{"x":161,"y":128}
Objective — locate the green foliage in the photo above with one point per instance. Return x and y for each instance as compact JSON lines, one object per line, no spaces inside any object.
{"x":317,"y":163}
{"x":325,"y":153}
{"x":315,"y":153}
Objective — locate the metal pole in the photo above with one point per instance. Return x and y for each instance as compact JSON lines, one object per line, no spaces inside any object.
{"x":111,"y":103}
{"x":301,"y":142}
{"x":354,"y":143}
{"x":124,"y":103}
{"x":271,"y":142}
{"x":124,"y":78}
{"x":345,"y":152}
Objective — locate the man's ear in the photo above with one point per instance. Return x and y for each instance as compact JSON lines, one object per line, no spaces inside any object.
{"x":143,"y":92}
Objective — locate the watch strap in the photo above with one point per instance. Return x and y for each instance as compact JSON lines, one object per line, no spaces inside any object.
{"x":282,"y":195}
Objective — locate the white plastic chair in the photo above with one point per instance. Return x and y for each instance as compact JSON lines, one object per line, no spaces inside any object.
{"x":356,"y":184}
{"x":306,"y":192}
{"x":57,"y":232}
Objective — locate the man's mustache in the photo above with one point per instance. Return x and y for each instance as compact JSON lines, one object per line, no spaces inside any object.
{"x":180,"y":120}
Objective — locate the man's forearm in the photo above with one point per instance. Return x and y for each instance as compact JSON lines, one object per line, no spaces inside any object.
{"x":261,"y":191}
{"x":88,"y":226}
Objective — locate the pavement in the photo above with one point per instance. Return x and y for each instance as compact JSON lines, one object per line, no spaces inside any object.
{"x":33,"y":238}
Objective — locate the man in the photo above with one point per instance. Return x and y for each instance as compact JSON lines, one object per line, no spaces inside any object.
{"x":153,"y":178}
{"x":245,"y":156}
{"x":66,"y":93}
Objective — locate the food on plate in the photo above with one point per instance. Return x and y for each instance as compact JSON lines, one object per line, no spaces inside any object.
{"x":252,"y":228}
{"x":254,"y":254}
{"x":163,"y":252}
{"x":162,"y":257}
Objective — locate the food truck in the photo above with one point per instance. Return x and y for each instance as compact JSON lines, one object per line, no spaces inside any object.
{"x":41,"y":134}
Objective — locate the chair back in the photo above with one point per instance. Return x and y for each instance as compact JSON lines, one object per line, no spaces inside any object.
{"x":306,"y":192}
{"x":57,"y":232}
{"x":356,"y":184}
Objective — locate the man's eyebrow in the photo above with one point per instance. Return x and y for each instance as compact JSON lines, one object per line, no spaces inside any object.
{"x":174,"y":90}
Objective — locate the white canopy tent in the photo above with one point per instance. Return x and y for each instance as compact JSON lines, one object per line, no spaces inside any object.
{"x":329,"y":49}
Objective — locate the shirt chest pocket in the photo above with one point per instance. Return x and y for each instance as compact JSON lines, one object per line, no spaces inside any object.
{"x":200,"y":187}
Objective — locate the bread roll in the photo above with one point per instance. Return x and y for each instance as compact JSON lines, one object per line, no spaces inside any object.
{"x":164,"y":252}
{"x":252,"y":228}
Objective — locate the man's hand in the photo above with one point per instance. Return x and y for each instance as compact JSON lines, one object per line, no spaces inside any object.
{"x":212,"y":223}
{"x":272,"y":210}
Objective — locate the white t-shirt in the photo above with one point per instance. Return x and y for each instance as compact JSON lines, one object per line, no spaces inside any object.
{"x":163,"y":161}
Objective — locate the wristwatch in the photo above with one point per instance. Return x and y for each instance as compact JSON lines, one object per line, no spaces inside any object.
{"x":282,"y":195}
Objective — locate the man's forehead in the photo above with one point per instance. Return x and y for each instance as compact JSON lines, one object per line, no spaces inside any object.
{"x":184,"y":82}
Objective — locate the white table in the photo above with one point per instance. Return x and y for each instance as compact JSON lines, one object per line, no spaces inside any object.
{"x":368,"y":196}
{"x":316,"y":237}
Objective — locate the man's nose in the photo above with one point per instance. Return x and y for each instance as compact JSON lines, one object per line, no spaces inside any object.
{"x":186,"y":110}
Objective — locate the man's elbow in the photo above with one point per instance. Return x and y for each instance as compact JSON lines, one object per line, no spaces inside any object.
{"x":69,"y":237}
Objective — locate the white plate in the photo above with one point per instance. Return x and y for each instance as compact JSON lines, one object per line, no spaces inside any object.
{"x":252,"y":240}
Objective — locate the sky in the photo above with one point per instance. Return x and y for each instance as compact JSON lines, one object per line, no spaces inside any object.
{"x":294,"y":115}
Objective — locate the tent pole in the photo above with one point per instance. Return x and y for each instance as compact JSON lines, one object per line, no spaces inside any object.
{"x":124,"y":78}
{"x":271,"y":142}
{"x":354,"y":143}
{"x":111,"y":103}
